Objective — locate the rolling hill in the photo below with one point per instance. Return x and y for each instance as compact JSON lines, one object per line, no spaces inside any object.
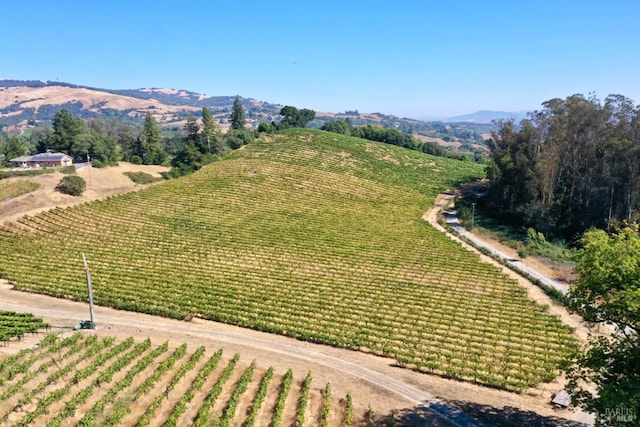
{"x":307,"y":234}
{"x":27,"y":103}
{"x":24,"y":102}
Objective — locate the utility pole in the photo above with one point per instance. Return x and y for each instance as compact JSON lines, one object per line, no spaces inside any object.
{"x":89,"y":162}
{"x":86,"y":269}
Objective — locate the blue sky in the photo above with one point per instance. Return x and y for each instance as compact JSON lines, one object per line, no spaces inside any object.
{"x":408,"y":58}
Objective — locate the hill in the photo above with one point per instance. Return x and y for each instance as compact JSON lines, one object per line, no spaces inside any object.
{"x":487,"y":116}
{"x":29,"y":102}
{"x":312,"y":235}
{"x":26,"y":103}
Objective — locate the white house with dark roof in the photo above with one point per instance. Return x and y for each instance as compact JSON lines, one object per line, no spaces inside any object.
{"x":43,"y":160}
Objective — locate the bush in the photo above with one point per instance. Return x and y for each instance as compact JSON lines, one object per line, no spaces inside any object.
{"x":141,"y":177}
{"x":136,"y":160}
{"x":236,"y":138}
{"x":72,"y":184}
{"x":68,"y":170}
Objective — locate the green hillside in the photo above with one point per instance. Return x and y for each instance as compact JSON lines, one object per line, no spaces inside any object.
{"x":310,"y":234}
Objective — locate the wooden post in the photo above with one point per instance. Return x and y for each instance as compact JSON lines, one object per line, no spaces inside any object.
{"x":86,"y":269}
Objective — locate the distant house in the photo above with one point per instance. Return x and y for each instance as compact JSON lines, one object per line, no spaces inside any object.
{"x":43,"y":160}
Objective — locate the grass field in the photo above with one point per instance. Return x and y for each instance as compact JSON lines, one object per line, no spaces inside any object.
{"x":310,"y":234}
{"x":15,"y":188}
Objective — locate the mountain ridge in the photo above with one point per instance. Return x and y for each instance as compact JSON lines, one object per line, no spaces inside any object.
{"x":23,"y":101}
{"x":30,"y":103}
{"x":480,"y":117}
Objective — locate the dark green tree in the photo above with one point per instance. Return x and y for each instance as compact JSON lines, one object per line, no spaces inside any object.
{"x":338,"y":126}
{"x":264,"y":127}
{"x":513,"y":173}
{"x":188,"y":160}
{"x":14,"y":146}
{"x":294,"y":118}
{"x":66,"y":129}
{"x":570,"y":167}
{"x":608,"y":292}
{"x":103,"y":150}
{"x":153,"y":152}
{"x":238,"y":120}
{"x":191,"y":130}
{"x":211,"y":135}
{"x":42,"y":138}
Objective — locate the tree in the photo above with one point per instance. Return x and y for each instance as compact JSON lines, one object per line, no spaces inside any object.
{"x":338,"y":126}
{"x":211,"y":133}
{"x":14,"y":146}
{"x":189,"y":159}
{"x":66,"y":129}
{"x":153,"y":154}
{"x":572,"y":166}
{"x":191,"y":130}
{"x":103,"y":149}
{"x":238,"y":120}
{"x":294,"y":118}
{"x":608,"y":292}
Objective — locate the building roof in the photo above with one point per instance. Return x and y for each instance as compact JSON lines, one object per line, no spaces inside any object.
{"x":562,"y":399}
{"x":43,"y":157}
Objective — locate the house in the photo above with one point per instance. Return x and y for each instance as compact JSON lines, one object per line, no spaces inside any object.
{"x":43,"y":160}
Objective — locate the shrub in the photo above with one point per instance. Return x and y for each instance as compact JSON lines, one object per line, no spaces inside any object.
{"x":141,"y":177}
{"x":236,"y":138}
{"x":72,"y":184}
{"x":136,"y":160}
{"x":68,"y":170}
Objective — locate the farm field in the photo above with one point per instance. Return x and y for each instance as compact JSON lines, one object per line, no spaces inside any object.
{"x":16,"y":325}
{"x":88,"y":379}
{"x":312,"y":235}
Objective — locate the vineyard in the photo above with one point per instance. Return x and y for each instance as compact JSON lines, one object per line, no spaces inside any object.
{"x":312,"y":235}
{"x":91,"y":380}
{"x":16,"y":325}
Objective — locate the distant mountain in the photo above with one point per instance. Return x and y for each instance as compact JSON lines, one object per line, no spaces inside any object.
{"x":486,"y":116}
{"x":28,"y":102}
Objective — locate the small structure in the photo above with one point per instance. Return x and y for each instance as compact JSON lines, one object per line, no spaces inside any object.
{"x":561,"y":400}
{"x":43,"y":160}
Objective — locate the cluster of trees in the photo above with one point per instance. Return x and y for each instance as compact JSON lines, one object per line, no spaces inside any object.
{"x":198,"y":146}
{"x":105,"y":142}
{"x":389,"y":136}
{"x":570,"y":167}
{"x":291,"y":118}
{"x":608,"y":292}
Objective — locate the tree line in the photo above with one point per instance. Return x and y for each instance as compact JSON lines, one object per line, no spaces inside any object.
{"x":392,"y":136}
{"x":105,"y":142}
{"x":572,"y":166}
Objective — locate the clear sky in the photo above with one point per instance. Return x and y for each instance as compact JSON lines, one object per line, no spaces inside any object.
{"x":408,"y":58}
